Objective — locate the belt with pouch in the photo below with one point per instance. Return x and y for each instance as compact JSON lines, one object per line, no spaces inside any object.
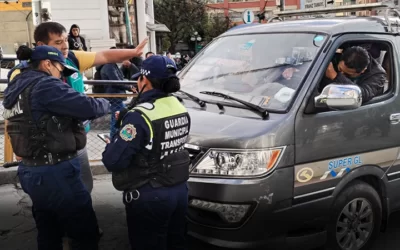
{"x":48,"y":159}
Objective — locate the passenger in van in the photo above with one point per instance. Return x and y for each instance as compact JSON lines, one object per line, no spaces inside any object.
{"x":357,"y":66}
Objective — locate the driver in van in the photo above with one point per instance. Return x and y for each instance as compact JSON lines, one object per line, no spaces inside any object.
{"x":357,"y":66}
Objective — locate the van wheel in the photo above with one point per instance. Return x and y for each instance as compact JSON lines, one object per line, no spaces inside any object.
{"x":356,"y":218}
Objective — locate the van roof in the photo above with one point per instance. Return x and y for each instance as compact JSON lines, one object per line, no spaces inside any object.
{"x":332,"y":26}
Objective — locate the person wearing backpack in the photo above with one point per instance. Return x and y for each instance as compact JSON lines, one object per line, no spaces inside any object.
{"x":96,"y":88}
{"x":112,"y":72}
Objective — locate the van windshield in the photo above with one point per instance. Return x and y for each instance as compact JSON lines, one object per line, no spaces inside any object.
{"x":264,"y":69}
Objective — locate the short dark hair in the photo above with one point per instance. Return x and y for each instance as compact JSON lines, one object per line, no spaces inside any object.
{"x":43,"y":31}
{"x":356,"y":58}
{"x":148,"y":53}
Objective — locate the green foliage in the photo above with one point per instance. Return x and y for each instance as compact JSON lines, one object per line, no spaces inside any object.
{"x":183,"y":17}
{"x":216,"y":25}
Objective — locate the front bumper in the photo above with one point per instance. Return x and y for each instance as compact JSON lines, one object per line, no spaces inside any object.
{"x":269,"y":219}
{"x":308,"y":241}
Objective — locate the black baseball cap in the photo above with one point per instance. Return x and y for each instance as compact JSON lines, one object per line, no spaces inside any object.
{"x":45,"y":52}
{"x":157,"y":67}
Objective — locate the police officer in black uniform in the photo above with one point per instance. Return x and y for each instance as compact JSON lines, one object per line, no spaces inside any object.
{"x":45,"y":127}
{"x":148,"y":160}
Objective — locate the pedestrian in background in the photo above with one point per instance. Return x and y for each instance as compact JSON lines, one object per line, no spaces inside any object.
{"x":112,"y":72}
{"x":136,"y":60}
{"x":148,"y":54}
{"x":75,"y":40}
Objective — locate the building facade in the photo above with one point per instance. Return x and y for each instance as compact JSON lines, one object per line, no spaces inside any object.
{"x":100,"y":28}
{"x":16,"y":24}
{"x":102,"y":20}
{"x":234,"y":8}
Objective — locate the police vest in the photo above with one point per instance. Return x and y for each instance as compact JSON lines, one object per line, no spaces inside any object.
{"x":164,"y":161}
{"x":49,"y":140}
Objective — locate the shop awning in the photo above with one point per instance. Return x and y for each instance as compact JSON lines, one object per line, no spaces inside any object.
{"x":157,"y":27}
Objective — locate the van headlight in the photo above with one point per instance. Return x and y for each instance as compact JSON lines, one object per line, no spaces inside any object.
{"x":238,"y":163}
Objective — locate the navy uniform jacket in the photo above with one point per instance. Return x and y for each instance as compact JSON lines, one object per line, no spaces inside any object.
{"x":119,"y":152}
{"x":53,"y":96}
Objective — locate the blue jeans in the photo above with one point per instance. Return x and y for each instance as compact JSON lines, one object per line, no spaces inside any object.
{"x":62,"y":205}
{"x":116,"y":105}
{"x":157,"y":220}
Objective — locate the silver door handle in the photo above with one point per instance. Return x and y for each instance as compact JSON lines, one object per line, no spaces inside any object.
{"x":395,"y":118}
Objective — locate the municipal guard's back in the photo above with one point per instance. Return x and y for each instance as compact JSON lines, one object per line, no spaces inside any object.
{"x":148,"y":160}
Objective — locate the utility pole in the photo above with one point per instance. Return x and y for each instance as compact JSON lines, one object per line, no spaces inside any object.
{"x":282,"y":5}
{"x":128,"y":23}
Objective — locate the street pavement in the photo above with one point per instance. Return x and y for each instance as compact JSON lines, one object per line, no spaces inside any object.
{"x":18,"y":232}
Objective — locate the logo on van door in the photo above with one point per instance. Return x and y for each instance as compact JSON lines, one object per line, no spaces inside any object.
{"x":340,"y":167}
{"x":334,"y":174}
{"x":304,"y":175}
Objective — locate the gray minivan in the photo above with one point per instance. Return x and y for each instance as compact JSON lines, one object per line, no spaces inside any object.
{"x":276,"y":165}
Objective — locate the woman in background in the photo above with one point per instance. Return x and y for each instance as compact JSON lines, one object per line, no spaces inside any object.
{"x":75,"y":40}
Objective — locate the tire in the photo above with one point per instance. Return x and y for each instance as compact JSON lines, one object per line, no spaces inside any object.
{"x":356,"y":213}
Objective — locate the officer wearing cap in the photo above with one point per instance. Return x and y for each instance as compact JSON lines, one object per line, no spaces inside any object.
{"x":45,"y":127}
{"x":148,"y":160}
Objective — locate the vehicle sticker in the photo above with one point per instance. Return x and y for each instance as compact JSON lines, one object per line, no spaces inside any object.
{"x":335,"y":174}
{"x":344,"y":162}
{"x":342,"y":166}
{"x":318,"y":39}
{"x":337,"y":168}
{"x":304,"y":175}
{"x":248,"y":45}
{"x":264,"y":101}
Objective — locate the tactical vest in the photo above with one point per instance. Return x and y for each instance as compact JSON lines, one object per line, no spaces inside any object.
{"x":164,"y":161}
{"x":49,"y":140}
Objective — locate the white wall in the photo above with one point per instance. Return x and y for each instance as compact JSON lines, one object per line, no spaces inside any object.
{"x":90,"y":15}
{"x":150,"y":19}
{"x":141,"y":22}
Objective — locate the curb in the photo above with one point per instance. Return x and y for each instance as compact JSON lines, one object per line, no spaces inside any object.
{"x":9,"y":176}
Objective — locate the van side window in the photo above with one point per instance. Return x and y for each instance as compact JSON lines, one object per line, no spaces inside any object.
{"x":367,"y":64}
{"x":360,"y":64}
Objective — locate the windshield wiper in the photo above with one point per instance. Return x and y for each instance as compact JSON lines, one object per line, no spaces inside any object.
{"x":194,"y":98}
{"x":201,"y":102}
{"x":264,"y":113}
{"x":253,"y":70}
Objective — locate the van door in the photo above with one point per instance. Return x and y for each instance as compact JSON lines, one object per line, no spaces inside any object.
{"x":331,"y":144}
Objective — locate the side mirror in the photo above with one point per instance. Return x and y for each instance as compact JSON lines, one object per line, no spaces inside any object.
{"x":342,"y":97}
